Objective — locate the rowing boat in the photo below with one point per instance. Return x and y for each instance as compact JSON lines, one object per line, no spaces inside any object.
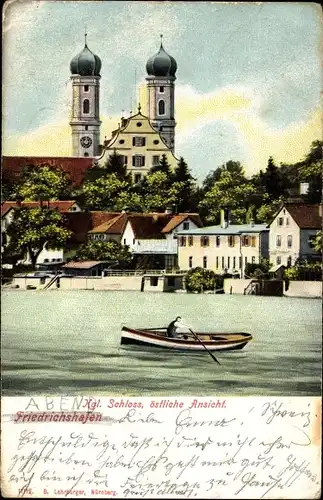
{"x":157,"y":337}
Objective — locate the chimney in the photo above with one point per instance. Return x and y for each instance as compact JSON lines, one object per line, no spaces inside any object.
{"x":303,"y":188}
{"x":252,"y":222}
{"x":224,"y":218}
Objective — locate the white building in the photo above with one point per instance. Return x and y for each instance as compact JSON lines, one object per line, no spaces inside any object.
{"x":223,"y":248}
{"x":291,"y":233}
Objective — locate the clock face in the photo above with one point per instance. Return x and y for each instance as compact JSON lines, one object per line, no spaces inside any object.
{"x":86,"y":141}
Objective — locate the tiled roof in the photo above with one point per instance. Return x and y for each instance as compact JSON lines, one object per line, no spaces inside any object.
{"x":148,"y":225}
{"x":80,"y":223}
{"x":178,"y":219}
{"x":62,"y":206}
{"x":73,"y":166}
{"x":115,"y":225}
{"x":306,"y":216}
{"x":231,"y":229}
{"x":85,"y":264}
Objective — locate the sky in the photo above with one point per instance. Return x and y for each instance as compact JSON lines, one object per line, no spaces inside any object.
{"x":248,"y":81}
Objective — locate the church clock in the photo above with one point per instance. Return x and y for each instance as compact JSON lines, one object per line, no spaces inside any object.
{"x":86,"y":141}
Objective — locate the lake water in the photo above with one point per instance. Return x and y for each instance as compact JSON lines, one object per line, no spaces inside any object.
{"x":68,"y":343}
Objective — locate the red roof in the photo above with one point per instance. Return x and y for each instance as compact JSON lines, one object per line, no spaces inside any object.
{"x":179,"y":218}
{"x":85,"y":264}
{"x":306,"y":216}
{"x":73,"y":166}
{"x":80,"y":223}
{"x":61,"y":206}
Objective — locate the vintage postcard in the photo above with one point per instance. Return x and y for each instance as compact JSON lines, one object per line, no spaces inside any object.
{"x":161,"y":248}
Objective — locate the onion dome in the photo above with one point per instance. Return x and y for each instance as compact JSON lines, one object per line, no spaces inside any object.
{"x":86,"y":63}
{"x":161,"y":64}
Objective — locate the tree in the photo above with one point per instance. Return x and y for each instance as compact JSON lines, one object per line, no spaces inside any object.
{"x":105,"y":193}
{"x":271,"y":181}
{"x":267,"y":210}
{"x":200,"y":280}
{"x":234,"y":167}
{"x":184,"y":186}
{"x":108,"y":251}
{"x":232,"y":191}
{"x":157,"y":192}
{"x":163,"y":166}
{"x":310,"y":170}
{"x":32,"y":229}
{"x":43,"y":183}
{"x":317,"y":242}
{"x":115,"y":164}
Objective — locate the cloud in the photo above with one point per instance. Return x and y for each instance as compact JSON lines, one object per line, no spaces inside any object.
{"x":194,"y":114}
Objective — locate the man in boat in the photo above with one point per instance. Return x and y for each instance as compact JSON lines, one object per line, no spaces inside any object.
{"x":177,"y":329}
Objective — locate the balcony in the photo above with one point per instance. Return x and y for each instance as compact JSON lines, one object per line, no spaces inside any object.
{"x":161,"y":247}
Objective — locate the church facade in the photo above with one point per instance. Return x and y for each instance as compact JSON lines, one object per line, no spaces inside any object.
{"x":141,"y":140}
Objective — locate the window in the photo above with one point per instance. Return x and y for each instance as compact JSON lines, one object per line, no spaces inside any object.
{"x":86,"y":153}
{"x":138,"y":161}
{"x":228,"y":262}
{"x":231,"y":242}
{"x":245,"y":261}
{"x":217,"y":262}
{"x":287,"y":221}
{"x":133,"y":241}
{"x":205,"y":262}
{"x":139,"y":124}
{"x":278,"y":240}
{"x":124,"y":241}
{"x":137,"y":178}
{"x":125,"y":160}
{"x":234,"y":263}
{"x":190,"y":241}
{"x":204,"y":241}
{"x":278,"y":260}
{"x":186,"y":225}
{"x":161,"y":90}
{"x":190,"y":262}
{"x":289,"y":261}
{"x":154,"y":281}
{"x":182,"y":241}
{"x":42,"y":280}
{"x":253,"y":260}
{"x":86,"y":106}
{"x":245,"y":241}
{"x":46,"y":260}
{"x":86,"y":127}
{"x":289,"y":241}
{"x":253,"y":241}
{"x":217,"y":241}
{"x":155,"y":160}
{"x":222,"y":262}
{"x":161,"y":107}
{"x":156,"y":141}
{"x":138,"y":141}
{"x":280,"y":221}
{"x":86,"y":88}
{"x":240,"y":262}
{"x":121,"y":141}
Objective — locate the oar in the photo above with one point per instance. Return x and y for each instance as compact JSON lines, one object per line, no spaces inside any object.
{"x":200,"y":341}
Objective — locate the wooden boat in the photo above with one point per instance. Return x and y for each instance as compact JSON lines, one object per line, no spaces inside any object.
{"x":157,"y":337}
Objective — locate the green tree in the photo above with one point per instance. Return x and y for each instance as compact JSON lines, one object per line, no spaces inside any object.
{"x":267,"y":210}
{"x":310,"y":170}
{"x":231,"y":190}
{"x":157,"y":192}
{"x":163,"y":166}
{"x":234,"y":167}
{"x":115,"y":164}
{"x":32,"y":229}
{"x":317,"y":242}
{"x":110,"y":251}
{"x":271,"y":181}
{"x":200,"y":280}
{"x":183,"y":185}
{"x":43,"y":183}
{"x":105,"y":193}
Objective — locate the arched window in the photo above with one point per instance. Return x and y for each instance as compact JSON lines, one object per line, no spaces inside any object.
{"x":86,"y":106}
{"x":161,"y":107}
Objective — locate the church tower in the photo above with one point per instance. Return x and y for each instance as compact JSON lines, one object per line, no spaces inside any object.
{"x":161,"y":69}
{"x":85,"y":121}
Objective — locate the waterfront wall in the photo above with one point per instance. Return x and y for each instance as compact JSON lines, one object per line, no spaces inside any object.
{"x":311,"y":289}
{"x":235,"y":286}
